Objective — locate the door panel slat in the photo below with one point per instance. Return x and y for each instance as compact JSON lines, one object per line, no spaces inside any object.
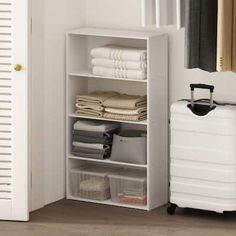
{"x":5,"y":158}
{"x":5,"y":165}
{"x":5,"y":180}
{"x":5,"y":143}
{"x":5,"y":113}
{"x":6,"y":81}
{"x":5,"y":105}
{"x":6,"y":98}
{"x":5,"y":127}
{"x":6,"y":173}
{"x":6,"y":187}
{"x":5,"y":90}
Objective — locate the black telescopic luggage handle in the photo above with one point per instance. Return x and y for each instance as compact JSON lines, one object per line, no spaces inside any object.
{"x":202,"y":86}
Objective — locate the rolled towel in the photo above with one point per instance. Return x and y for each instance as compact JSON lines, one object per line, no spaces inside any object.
{"x":129,"y":65}
{"x":115,"y":52}
{"x":126,"y":111}
{"x":95,"y":126}
{"x":120,"y":73}
{"x":125,"y":101}
{"x":97,"y":97}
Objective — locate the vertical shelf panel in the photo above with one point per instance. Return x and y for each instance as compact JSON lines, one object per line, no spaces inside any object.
{"x":157,"y":121}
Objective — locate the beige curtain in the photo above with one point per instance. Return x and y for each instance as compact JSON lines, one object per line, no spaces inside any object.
{"x":234,"y":38}
{"x":225,"y":35}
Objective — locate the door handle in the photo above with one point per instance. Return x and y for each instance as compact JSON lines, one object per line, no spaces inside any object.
{"x":18,"y":67}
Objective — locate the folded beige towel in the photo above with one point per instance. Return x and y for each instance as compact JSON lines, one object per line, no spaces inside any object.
{"x":97,"y":97}
{"x":84,"y":105}
{"x":89,"y":112}
{"x":126,"y":111}
{"x":140,"y":117}
{"x":124,"y":101}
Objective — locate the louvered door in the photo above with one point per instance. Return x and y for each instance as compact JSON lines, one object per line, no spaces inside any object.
{"x":14,"y":110}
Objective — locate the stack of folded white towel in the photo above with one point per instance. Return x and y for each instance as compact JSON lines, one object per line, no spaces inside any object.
{"x":120,"y":62}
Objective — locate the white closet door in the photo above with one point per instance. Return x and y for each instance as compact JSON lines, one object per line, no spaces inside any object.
{"x":14,"y":110}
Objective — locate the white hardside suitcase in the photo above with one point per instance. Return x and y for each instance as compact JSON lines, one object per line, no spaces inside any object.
{"x":203,"y":155}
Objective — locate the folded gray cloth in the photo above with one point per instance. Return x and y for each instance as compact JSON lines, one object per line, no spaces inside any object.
{"x":88,"y":139}
{"x":90,"y":150}
{"x":95,"y":134}
{"x":90,"y":155}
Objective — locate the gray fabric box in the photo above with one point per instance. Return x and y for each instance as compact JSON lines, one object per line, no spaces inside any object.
{"x":130,"y":147}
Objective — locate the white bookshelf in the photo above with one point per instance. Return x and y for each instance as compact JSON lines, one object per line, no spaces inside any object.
{"x":80,"y":80}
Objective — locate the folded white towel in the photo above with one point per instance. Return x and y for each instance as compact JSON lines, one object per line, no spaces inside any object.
{"x":120,"y":73}
{"x":130,"y":65}
{"x":96,"y":146}
{"x":126,"y":111}
{"x":119,"y":53}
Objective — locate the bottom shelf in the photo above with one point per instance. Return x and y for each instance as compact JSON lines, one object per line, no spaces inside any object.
{"x":108,"y":202}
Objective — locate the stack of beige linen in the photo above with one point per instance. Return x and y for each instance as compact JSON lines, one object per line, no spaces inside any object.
{"x":126,"y":107}
{"x":93,"y":103}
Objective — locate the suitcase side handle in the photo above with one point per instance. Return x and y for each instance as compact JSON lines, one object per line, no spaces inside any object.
{"x":202,"y":86}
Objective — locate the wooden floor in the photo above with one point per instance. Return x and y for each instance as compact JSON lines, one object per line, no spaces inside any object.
{"x":83,"y":219}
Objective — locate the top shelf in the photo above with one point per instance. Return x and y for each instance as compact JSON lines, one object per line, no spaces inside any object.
{"x":103,"y":32}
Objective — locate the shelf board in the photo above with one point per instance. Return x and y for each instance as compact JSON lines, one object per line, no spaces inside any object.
{"x":108,"y":202}
{"x":101,"y":118}
{"x":105,"y":32}
{"x":107,"y":161}
{"x":89,"y":74}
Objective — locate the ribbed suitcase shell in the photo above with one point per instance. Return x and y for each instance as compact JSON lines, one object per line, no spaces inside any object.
{"x":203,"y":158}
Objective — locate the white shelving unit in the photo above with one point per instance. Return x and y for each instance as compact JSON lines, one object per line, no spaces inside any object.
{"x":80,"y":80}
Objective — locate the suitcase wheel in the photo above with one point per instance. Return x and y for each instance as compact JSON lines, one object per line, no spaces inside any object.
{"x":171,"y":209}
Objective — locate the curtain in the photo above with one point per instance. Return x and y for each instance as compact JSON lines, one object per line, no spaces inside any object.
{"x":201,"y":34}
{"x":234,"y":38}
{"x":225,"y":35}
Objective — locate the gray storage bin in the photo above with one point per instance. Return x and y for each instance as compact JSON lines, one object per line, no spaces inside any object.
{"x":130,"y":146}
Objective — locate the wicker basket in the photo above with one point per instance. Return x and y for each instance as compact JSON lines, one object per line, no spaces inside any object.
{"x":96,"y":195}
